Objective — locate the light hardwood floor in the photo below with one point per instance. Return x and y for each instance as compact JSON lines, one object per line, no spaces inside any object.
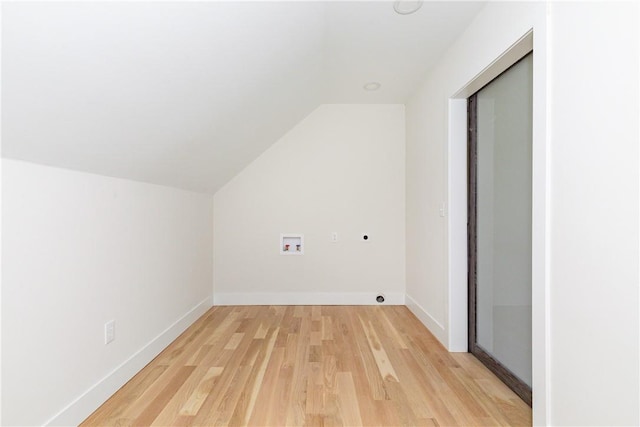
{"x":311,"y":366}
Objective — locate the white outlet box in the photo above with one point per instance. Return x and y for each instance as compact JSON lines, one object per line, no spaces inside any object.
{"x":334,"y":236}
{"x":291,"y":244}
{"x":109,"y":331}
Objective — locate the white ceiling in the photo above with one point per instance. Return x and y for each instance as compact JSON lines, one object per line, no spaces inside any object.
{"x":187,"y":94}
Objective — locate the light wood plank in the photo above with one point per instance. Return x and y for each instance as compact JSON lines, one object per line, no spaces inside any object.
{"x":308,"y":366}
{"x":255,"y":389}
{"x":349,"y":408}
{"x":197,"y":398}
{"x":236,"y":338}
{"x":379,"y":354}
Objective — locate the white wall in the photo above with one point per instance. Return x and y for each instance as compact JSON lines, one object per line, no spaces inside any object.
{"x":436,"y":173}
{"x":585,"y":201}
{"x":498,"y":26}
{"x":341,"y":169}
{"x":79,"y":250}
{"x":0,"y":231}
{"x":594,"y":111}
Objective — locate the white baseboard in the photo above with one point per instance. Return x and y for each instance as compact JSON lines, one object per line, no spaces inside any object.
{"x":306,"y":298}
{"x":427,"y":320}
{"x":78,"y":410}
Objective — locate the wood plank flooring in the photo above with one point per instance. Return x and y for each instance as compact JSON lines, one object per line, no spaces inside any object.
{"x":311,"y":366}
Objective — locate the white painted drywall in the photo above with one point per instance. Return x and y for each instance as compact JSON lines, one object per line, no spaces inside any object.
{"x":436,"y":174}
{"x":494,"y":30}
{"x":594,"y":112}
{"x":188,"y":93}
{"x":341,"y":169}
{"x":0,"y":230}
{"x":79,"y":250}
{"x":585,"y":199}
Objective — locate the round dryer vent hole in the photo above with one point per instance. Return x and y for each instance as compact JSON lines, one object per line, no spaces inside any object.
{"x":380,"y":298}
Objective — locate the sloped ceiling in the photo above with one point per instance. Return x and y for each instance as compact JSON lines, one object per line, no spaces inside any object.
{"x":187,"y":94}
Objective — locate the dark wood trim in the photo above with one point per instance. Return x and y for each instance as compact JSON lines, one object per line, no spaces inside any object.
{"x":512,"y":381}
{"x":472,"y":162}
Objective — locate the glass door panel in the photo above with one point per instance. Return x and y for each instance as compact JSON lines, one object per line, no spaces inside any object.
{"x":500,"y":223}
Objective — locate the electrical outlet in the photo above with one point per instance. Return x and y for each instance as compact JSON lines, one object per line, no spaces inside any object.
{"x":334,"y":236}
{"x":109,"y":331}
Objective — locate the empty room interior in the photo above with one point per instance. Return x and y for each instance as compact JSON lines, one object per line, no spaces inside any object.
{"x":315,"y":213}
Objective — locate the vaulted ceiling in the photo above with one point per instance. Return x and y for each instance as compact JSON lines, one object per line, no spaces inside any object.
{"x":186,"y":94}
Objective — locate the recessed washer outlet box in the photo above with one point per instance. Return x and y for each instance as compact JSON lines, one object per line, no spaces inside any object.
{"x":291,"y":244}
